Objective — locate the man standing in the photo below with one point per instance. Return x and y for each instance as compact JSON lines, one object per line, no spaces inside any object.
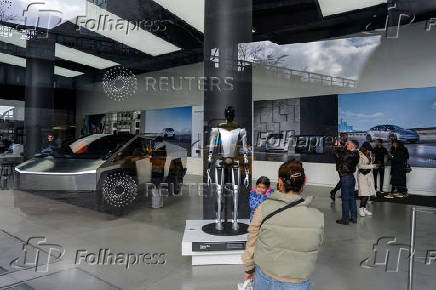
{"x":380,"y":153}
{"x":348,"y":158}
{"x":343,"y":143}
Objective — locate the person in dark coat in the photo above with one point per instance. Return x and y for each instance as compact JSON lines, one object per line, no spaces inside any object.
{"x":343,"y":143}
{"x":399,"y":155}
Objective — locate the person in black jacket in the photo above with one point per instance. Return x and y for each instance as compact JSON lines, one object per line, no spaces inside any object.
{"x":348,"y":158}
{"x":380,"y":152}
{"x":399,"y":156}
{"x":343,"y":143}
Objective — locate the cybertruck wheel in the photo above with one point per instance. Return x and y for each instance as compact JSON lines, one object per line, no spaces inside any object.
{"x":119,"y":190}
{"x":175,"y":178}
{"x":392,"y":137}
{"x":368,"y":138}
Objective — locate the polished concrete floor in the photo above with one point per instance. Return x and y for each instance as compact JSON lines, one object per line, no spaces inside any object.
{"x":69,"y":221}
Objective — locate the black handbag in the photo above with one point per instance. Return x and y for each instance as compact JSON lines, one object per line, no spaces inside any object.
{"x":364,"y":171}
{"x":408,"y":167}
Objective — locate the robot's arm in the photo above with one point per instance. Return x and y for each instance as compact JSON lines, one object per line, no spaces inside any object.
{"x":212,"y":143}
{"x":214,"y":133}
{"x":245,"y":152}
{"x":244,"y":145}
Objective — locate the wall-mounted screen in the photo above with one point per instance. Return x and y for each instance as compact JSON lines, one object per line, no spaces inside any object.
{"x":174,"y":124}
{"x":408,"y":115}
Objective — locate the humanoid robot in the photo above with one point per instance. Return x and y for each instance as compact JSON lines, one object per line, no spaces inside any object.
{"x":223,"y":153}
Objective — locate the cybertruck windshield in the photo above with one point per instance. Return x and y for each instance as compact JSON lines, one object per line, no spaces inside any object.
{"x":93,"y":146}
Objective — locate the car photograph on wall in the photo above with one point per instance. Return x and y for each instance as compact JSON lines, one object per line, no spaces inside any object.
{"x":391,"y":133}
{"x":169,"y":133}
{"x":117,"y":167}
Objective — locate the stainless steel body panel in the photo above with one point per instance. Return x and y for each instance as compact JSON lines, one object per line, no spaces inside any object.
{"x":49,"y":173}
{"x":78,"y":182}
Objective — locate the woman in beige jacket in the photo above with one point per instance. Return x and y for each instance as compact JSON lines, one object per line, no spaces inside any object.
{"x":365,"y":178}
{"x":284,"y":236}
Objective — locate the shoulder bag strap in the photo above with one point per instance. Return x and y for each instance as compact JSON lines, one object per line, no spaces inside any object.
{"x":292,"y":204}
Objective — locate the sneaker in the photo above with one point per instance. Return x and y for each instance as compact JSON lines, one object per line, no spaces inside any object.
{"x":390,"y":196}
{"x":399,"y":195}
{"x":353,"y":221}
{"x":342,"y":222}
{"x":367,"y":212}
{"x":362,"y":212}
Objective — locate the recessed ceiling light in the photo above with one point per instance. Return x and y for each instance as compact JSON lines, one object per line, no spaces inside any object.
{"x":191,"y":11}
{"x":81,"y":57}
{"x":19,"y":61}
{"x":64,"y":52}
{"x":330,"y":7}
{"x":131,"y":34}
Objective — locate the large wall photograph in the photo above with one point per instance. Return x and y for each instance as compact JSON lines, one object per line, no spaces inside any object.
{"x":408,"y":115}
{"x":295,"y":128}
{"x":174,"y":124}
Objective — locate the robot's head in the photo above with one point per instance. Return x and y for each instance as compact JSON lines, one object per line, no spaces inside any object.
{"x":229,"y":113}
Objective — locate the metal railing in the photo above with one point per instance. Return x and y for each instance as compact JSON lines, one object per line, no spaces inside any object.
{"x":311,"y":77}
{"x":288,"y":73}
{"x":412,"y":249}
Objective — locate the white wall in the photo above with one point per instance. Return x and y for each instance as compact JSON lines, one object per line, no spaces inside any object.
{"x":406,"y":62}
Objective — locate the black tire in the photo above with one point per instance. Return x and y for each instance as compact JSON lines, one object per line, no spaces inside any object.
{"x":175,"y":178}
{"x":119,"y":190}
{"x":392,"y":137}
{"x":368,"y":138}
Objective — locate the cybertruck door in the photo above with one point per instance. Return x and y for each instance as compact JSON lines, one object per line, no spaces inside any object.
{"x":143,"y":165}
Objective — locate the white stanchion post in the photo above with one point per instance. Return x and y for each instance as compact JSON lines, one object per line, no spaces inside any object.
{"x":412,"y":248}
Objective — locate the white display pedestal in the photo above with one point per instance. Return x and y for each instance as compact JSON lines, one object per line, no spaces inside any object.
{"x":207,"y":249}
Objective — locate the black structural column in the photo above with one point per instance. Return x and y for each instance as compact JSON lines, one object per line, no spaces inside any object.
{"x":38,"y":119}
{"x":227,"y":23}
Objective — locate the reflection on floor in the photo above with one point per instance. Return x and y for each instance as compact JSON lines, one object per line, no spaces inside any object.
{"x":82,"y":231}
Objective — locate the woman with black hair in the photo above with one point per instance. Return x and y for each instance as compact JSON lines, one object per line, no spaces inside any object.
{"x":399,"y":157}
{"x":365,"y":178}
{"x":284,"y":236}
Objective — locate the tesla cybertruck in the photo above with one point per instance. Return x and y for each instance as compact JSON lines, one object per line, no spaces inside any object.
{"x":117,"y":167}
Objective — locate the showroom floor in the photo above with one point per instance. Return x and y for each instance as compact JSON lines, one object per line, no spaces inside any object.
{"x":72,"y":225}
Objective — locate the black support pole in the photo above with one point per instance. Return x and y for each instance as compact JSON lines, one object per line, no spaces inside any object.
{"x":227,"y":24}
{"x":38,"y":120}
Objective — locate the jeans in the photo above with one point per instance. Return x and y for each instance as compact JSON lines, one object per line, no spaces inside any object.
{"x":264,"y":282}
{"x":338,"y":185}
{"x":349,"y":207}
{"x":377,"y":171}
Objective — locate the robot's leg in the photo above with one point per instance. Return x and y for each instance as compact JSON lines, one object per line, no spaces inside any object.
{"x":236,"y":175}
{"x":220,"y":181}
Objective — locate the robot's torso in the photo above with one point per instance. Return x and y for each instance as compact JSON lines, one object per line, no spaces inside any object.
{"x":225,"y":142}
